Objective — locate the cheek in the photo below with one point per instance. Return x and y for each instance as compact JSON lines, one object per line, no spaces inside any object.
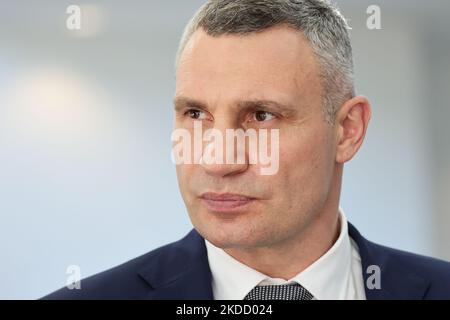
{"x":305,"y":162}
{"x":298,"y":152}
{"x":183,"y":173}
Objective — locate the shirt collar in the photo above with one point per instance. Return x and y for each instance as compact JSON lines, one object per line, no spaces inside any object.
{"x":326,"y":278}
{"x":231,"y":279}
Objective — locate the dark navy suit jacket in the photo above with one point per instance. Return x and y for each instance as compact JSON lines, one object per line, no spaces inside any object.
{"x":180,"y":270}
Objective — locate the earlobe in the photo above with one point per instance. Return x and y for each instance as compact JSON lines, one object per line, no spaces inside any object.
{"x":352,"y":121}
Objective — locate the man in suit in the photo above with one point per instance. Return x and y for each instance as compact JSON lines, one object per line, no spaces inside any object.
{"x":280,"y":65}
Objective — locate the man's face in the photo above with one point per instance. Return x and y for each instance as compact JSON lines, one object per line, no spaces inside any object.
{"x":216,"y":76}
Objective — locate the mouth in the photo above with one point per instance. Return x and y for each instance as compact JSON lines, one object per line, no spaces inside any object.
{"x":226,"y":202}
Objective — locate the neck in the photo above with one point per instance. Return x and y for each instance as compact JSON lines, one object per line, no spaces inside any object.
{"x":288,"y":258}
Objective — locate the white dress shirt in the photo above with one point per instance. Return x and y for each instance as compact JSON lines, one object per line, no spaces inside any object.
{"x":337,"y":275}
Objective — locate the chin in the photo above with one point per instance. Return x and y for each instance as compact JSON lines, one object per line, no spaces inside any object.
{"x":229,"y":244}
{"x":227,"y":238}
{"x":241,"y":230}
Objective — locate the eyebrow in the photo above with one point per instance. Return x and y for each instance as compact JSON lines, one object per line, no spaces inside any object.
{"x":185,"y":102}
{"x":269,"y":105}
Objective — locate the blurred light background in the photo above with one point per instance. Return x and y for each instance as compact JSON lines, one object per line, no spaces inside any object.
{"x":85,"y":120}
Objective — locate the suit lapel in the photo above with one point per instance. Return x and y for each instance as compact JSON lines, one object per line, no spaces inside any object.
{"x":397,"y":280}
{"x":180,"y":271}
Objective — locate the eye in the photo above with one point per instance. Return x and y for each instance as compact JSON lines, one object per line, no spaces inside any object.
{"x":195,"y":114}
{"x":262,"y":116}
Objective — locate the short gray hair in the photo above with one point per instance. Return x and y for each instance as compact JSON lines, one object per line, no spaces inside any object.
{"x":319,"y":20}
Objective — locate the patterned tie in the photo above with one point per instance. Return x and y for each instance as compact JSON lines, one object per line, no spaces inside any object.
{"x":279,"y":292}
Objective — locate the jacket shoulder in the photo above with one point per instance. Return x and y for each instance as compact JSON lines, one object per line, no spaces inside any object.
{"x":123,"y":281}
{"x":434,"y":271}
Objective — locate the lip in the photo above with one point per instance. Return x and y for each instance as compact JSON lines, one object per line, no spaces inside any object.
{"x":226,"y":202}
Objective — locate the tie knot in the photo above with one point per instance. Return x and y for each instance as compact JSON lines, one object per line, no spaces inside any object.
{"x":279,"y":292}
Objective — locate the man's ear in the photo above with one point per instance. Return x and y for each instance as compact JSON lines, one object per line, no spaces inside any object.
{"x":352,"y":120}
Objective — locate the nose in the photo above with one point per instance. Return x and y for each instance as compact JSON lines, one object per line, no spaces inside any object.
{"x":224,"y":170}
{"x":225,"y":164}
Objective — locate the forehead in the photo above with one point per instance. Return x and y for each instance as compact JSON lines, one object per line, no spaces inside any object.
{"x":277,"y":62}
